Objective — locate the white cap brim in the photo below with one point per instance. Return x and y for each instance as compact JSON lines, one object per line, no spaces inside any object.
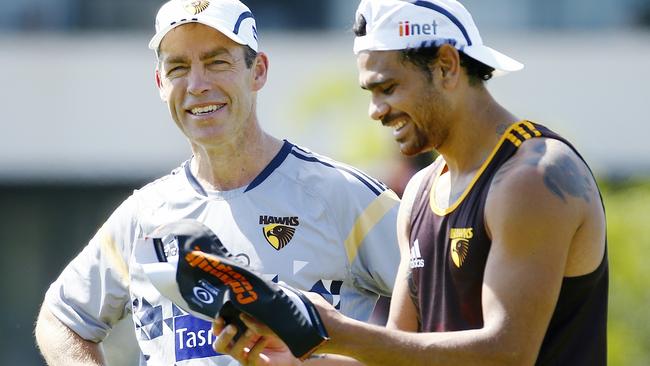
{"x":501,"y":63}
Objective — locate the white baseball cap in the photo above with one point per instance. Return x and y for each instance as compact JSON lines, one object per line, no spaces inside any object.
{"x":230,"y":17}
{"x":400,"y":24}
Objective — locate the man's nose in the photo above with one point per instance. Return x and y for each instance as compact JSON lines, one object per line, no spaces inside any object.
{"x":377,"y":109}
{"x":197,"y":82}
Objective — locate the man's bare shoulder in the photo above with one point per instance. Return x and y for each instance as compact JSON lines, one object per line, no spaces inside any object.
{"x":549,"y":166}
{"x":546,"y":192}
{"x":545,"y":185}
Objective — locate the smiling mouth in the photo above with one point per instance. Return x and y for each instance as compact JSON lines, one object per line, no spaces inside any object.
{"x":201,"y":111}
{"x":399,"y":125}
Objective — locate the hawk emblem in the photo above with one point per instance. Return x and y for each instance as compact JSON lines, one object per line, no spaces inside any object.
{"x":278,"y":235}
{"x":196,"y":6}
{"x":459,"y":250}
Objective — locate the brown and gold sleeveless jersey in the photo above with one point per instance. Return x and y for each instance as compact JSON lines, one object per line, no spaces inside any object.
{"x":449,"y":249}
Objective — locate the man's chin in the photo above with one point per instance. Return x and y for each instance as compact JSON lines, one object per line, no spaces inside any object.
{"x":408,"y":149}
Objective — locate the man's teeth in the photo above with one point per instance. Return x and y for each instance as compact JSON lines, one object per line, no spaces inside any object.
{"x":399,"y":125}
{"x":206,"y":109}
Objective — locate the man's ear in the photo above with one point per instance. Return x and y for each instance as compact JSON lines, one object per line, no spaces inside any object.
{"x":163,"y":94}
{"x":449,"y":62}
{"x":260,"y":71}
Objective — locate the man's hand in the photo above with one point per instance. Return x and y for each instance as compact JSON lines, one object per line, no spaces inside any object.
{"x":258,"y":345}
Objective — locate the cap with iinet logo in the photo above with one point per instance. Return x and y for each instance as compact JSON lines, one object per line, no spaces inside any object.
{"x":385,"y":25}
{"x":205,"y":280}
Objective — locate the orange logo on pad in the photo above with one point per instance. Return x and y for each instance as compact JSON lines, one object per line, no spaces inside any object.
{"x":226,"y":274}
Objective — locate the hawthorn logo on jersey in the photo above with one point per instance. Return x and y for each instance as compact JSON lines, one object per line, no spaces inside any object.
{"x":460,"y":244}
{"x":196,"y":6}
{"x":416,"y":258}
{"x":278,"y":231}
{"x":407,"y":29}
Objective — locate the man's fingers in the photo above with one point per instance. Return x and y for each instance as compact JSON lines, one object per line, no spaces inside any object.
{"x":254,"y":325}
{"x":255,"y":358}
{"x":222,"y":344}
{"x":243,"y":344}
{"x":217,"y":325}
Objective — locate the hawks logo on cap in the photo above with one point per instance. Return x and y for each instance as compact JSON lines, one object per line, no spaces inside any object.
{"x":460,"y":245}
{"x":278,"y":231}
{"x":196,"y":6}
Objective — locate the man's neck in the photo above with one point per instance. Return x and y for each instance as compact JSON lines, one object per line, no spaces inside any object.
{"x":474,"y":133}
{"x":235,"y":164}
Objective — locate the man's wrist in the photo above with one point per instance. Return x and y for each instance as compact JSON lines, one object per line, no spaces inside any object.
{"x":338,"y":329}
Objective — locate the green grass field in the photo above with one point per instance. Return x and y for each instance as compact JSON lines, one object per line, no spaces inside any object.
{"x":628,"y":223}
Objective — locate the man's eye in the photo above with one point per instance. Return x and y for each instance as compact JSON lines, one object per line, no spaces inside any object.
{"x":389,"y":90}
{"x":176,"y":69}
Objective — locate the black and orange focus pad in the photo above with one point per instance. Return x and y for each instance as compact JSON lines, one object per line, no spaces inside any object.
{"x":227,"y":287}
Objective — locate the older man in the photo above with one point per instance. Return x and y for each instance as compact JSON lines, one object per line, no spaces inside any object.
{"x":293,"y":215}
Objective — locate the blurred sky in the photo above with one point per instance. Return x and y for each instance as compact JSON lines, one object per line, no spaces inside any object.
{"x":79,"y":102}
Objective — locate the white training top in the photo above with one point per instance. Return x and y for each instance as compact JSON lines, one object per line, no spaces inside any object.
{"x":337,"y":238}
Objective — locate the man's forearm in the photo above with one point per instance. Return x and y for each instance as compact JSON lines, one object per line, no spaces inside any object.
{"x":61,"y":346}
{"x":331,"y":360}
{"x":373,"y":345}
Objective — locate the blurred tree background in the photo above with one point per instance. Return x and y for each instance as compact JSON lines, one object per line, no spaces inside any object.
{"x":627,"y":203}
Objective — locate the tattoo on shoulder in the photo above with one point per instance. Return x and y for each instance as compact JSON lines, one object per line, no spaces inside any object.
{"x":564,"y":176}
{"x":539,"y":149}
{"x":502,"y":128}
